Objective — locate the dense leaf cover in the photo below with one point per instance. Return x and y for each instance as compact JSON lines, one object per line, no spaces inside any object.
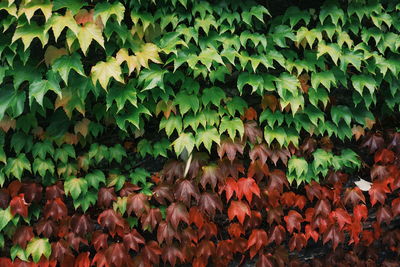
{"x":245,"y":99}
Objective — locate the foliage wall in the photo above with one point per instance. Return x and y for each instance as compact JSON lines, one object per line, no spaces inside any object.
{"x":96,"y":96}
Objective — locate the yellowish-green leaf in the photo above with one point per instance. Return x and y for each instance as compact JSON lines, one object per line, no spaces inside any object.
{"x":103,"y":71}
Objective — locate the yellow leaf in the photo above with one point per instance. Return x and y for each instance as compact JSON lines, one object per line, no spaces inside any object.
{"x":88,"y":33}
{"x":103,"y":71}
{"x":131,"y":61}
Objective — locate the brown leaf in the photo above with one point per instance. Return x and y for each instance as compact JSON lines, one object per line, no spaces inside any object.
{"x":52,"y":53}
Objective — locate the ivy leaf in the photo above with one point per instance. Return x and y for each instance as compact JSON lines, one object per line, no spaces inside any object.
{"x":75,"y":187}
{"x":333,"y":50}
{"x":341,"y":112}
{"x":361,"y":81}
{"x":42,"y":166}
{"x":151,"y":78}
{"x":294,"y":15}
{"x":256,"y":11}
{"x":5,"y":217}
{"x":213,"y":95}
{"x":207,"y":136}
{"x":106,"y":10}
{"x":28,"y":32}
{"x":95,"y":178}
{"x":185,"y":141}
{"x":64,"y":64}
{"x":103,"y":71}
{"x":232,"y":125}
{"x":38,"y":89}
{"x":87,"y":33}
{"x":73,"y":5}
{"x":16,"y":166}
{"x":332,"y":11}
{"x":38,"y":247}
{"x":236,"y":104}
{"x":186,"y":102}
{"x":325,"y":78}
{"x":298,"y":165}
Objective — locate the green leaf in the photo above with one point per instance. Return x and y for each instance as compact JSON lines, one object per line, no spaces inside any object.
{"x":103,"y":71}
{"x":16,"y":166}
{"x":64,"y":64}
{"x":187,"y":102}
{"x":332,"y":11}
{"x":333,"y":50}
{"x":85,"y":201}
{"x":185,"y":141}
{"x":212,"y":95}
{"x":122,"y":94}
{"x":277,"y":134}
{"x":272,"y":117}
{"x":58,"y":23}
{"x":95,"y":178}
{"x":5,"y":217}
{"x":294,"y":15}
{"x":28,"y":32}
{"x":326,"y":78}
{"x":236,"y":104}
{"x":75,"y":187}
{"x":42,"y":166}
{"x":206,"y":137}
{"x":322,"y":160}
{"x":38,"y":89}
{"x":38,"y":247}
{"x":116,"y":179}
{"x":98,"y":152}
{"x":361,"y":81}
{"x":232,"y":125}
{"x":341,"y":112}
{"x":64,"y":152}
{"x":106,"y":10}
{"x":140,"y":175}
{"x":171,"y":124}
{"x":151,"y":78}
{"x":298,"y":166}
{"x":73,"y":5}
{"x":17,"y":251}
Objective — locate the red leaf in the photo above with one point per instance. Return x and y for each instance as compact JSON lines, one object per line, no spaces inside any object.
{"x":138,"y":203}
{"x":239,"y":210}
{"x":288,"y":199}
{"x":163,"y":192}
{"x":311,"y":233}
{"x":32,"y":192}
{"x":230,"y":148}
{"x":111,"y":220}
{"x":265,"y":260}
{"x":106,"y":196}
{"x":384,"y":156}
{"x":55,"y":191}
{"x":260,"y":152}
{"x":151,"y":252}
{"x":313,"y":190}
{"x":128,"y":189}
{"x":257,"y":240}
{"x":373,"y":142}
{"x":46,"y":227}
{"x":171,"y":253}
{"x":99,"y":240}
{"x":277,"y":234}
{"x":208,"y":230}
{"x":117,"y":255}
{"x":235,"y":230}
{"x":378,"y":192}
{"x":280,"y":154}
{"x":298,"y":241}
{"x":150,"y":219}
{"x":323,"y":208}
{"x":172,"y":169}
{"x":166,"y":232}
{"x":205,"y":249}
{"x":360,"y":212}
{"x":258,"y":170}
{"x":274,"y":215}
{"x":4,"y":198}
{"x":333,"y":234}
{"x":230,"y":168}
{"x":209,"y":202}
{"x":224,"y":254}
{"x":293,"y":220}
{"x":254,"y":221}
{"x":55,"y":209}
{"x":300,"y":202}
{"x":384,"y":214}
{"x":185,"y":190}
{"x":379,"y":171}
{"x":247,"y":187}
{"x":81,"y":224}
{"x":59,"y":250}
{"x":82,"y":260}
{"x":396,"y":207}
{"x":132,"y":240}
{"x":23,"y":235}
{"x":367,"y":237}
{"x":354,"y":195}
{"x":100,"y":259}
{"x":211,"y":175}
{"x":14,"y":187}
{"x":277,"y":179}
{"x":176,"y":213}
{"x":19,"y":206}
{"x":250,"y":114}
{"x":230,"y":186}
{"x":355,"y":229}
{"x":253,"y":132}
{"x":75,"y":241}
{"x":342,"y":217}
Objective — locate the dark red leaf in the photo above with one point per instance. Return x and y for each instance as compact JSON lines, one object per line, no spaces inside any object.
{"x":230,"y":186}
{"x":151,"y":252}
{"x":313,"y":190}
{"x":132,"y":240}
{"x":252,"y":132}
{"x":171,"y":253}
{"x":128,"y":189}
{"x":163,"y":192}
{"x":106,"y":196}
{"x":81,"y":224}
{"x":247,"y":187}
{"x":209,"y":203}
{"x":384,"y":156}
{"x":4,"y":198}
{"x":22,"y":236}
{"x":177,"y":212}
{"x":396,"y":207}
{"x":260,"y":152}
{"x":167,"y":233}
{"x":55,"y":191}
{"x":274,"y":215}
{"x":342,"y":217}
{"x":32,"y":192}
{"x":111,"y":220}
{"x":258,"y":170}
{"x":55,"y":209}
{"x":82,"y":260}
{"x":230,"y":148}
{"x":277,"y":179}
{"x":117,"y":255}
{"x":99,"y":240}
{"x":384,"y":214}
{"x":185,"y":190}
{"x":137,"y":203}
{"x":211,"y":175}
{"x":298,"y":241}
{"x":360,"y":212}
{"x":47,"y":228}
{"x":293,"y":220}
{"x":323,"y":208}
{"x":378,"y":192}
{"x":354,"y":195}
{"x":75,"y":241}
{"x":277,"y":234}
{"x":150,"y":219}
{"x":333,"y":234}
{"x":235,"y":230}
{"x":373,"y":142}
